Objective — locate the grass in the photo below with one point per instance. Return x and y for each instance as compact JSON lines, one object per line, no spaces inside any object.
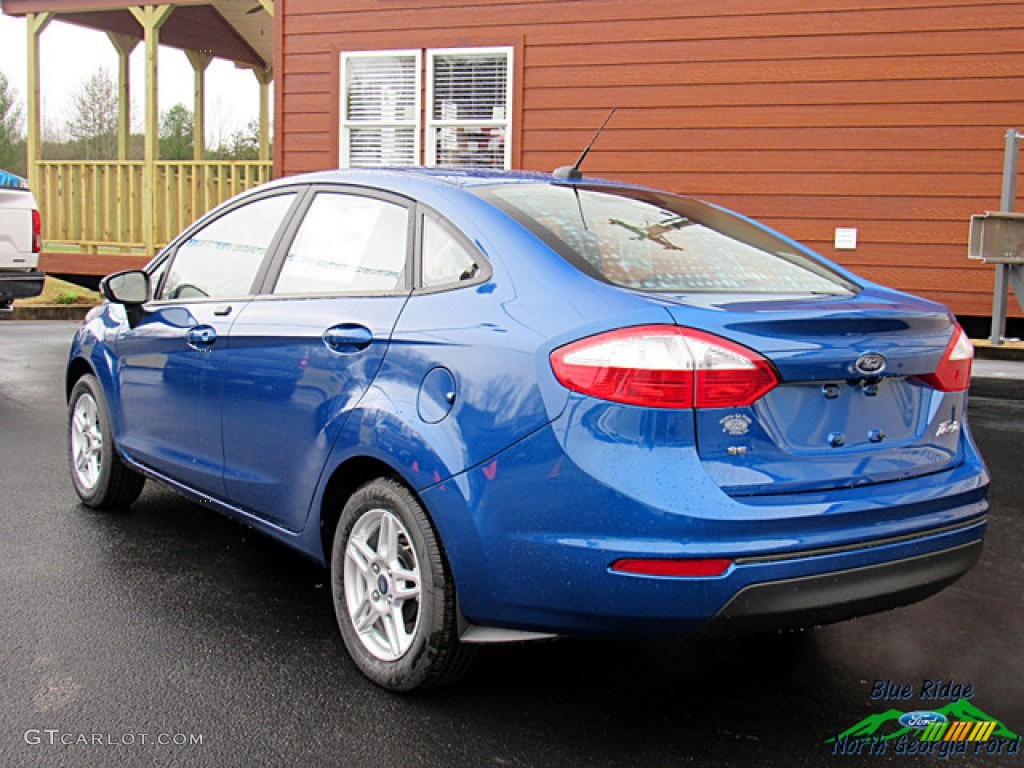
{"x":60,"y":292}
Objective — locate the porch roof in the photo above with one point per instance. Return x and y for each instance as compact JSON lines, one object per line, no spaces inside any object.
{"x":235,"y":30}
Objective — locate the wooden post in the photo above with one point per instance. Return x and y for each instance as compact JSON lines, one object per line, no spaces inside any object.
{"x":199,"y":61}
{"x":265,"y":77}
{"x":36,"y":24}
{"x":124,"y":45}
{"x":264,"y":155}
{"x":151,"y":18}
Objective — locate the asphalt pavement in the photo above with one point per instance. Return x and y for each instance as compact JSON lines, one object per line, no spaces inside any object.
{"x":168,"y":635}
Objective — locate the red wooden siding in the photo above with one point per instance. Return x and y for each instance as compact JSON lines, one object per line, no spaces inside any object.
{"x":884,"y":115}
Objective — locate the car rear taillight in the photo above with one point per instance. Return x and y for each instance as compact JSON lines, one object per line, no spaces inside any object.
{"x":664,"y":366}
{"x":37,"y":232}
{"x":954,"y":371}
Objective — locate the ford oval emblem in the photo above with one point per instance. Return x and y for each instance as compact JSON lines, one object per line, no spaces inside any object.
{"x":870,"y":364}
{"x":921,"y":720}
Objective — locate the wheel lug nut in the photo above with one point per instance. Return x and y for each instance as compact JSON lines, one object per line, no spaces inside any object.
{"x":376,"y":595}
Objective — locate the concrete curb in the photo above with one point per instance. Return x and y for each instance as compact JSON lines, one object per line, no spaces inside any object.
{"x":1010,"y":350}
{"x":70,"y":312}
{"x":998,"y":371}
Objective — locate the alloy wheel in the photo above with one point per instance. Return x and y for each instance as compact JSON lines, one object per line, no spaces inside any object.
{"x":382,"y":584}
{"x":86,"y":442}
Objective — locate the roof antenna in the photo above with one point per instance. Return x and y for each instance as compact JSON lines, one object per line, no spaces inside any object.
{"x":573,"y":173}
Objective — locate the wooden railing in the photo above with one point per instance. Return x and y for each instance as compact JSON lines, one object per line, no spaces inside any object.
{"x":97,"y":206}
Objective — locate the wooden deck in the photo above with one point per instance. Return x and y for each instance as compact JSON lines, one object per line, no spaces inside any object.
{"x":99,"y":207}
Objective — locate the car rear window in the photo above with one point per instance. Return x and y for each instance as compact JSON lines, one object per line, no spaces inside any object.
{"x":654,"y":241}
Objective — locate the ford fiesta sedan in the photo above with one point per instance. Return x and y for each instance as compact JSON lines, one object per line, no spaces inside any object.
{"x":506,"y":406}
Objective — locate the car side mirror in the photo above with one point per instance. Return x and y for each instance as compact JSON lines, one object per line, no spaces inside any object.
{"x":130,"y":288}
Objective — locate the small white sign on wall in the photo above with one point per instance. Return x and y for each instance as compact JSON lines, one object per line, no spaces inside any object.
{"x":846,"y":239}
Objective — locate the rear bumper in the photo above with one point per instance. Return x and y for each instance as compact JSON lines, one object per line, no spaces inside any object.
{"x":532,"y":537}
{"x":21,"y":285}
{"x":840,"y":595}
{"x":578,"y":593}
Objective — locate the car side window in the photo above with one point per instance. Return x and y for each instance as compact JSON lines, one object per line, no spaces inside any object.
{"x":446,"y":261}
{"x":221,"y":260}
{"x":347,"y":244}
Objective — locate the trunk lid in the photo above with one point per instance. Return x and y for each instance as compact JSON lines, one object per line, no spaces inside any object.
{"x":849,"y":409}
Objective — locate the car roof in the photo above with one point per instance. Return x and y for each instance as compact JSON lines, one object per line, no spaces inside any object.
{"x":411,"y":179}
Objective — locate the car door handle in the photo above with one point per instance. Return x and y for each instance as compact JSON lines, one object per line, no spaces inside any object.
{"x":348,"y":338}
{"x":202,"y":337}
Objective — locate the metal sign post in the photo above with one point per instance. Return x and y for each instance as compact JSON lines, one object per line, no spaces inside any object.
{"x":1006,"y":272}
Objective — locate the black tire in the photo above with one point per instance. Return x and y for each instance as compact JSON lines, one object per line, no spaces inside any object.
{"x":406,"y":642}
{"x":101,"y":479}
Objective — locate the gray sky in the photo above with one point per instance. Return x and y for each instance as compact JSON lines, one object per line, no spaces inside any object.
{"x":69,"y":54}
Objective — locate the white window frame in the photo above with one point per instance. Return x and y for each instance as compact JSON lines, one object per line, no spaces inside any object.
{"x":347,"y":125}
{"x":433,"y":125}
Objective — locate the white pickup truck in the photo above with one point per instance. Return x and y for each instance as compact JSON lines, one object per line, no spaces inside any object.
{"x":20,"y":241}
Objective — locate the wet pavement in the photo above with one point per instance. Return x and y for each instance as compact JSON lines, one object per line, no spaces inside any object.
{"x":119,"y":632}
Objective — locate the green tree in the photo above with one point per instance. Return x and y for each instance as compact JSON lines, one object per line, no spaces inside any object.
{"x":93,"y":121}
{"x":12,"y":142}
{"x":177,"y":133}
{"x":242,"y":144}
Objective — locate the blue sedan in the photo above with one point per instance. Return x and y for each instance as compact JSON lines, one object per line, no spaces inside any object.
{"x":509,"y":406}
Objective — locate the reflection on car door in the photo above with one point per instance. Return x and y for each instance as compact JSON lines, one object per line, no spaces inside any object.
{"x":301,"y":357}
{"x":171,"y":359}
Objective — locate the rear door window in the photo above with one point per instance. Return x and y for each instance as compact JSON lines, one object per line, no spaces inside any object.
{"x":348,"y":244}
